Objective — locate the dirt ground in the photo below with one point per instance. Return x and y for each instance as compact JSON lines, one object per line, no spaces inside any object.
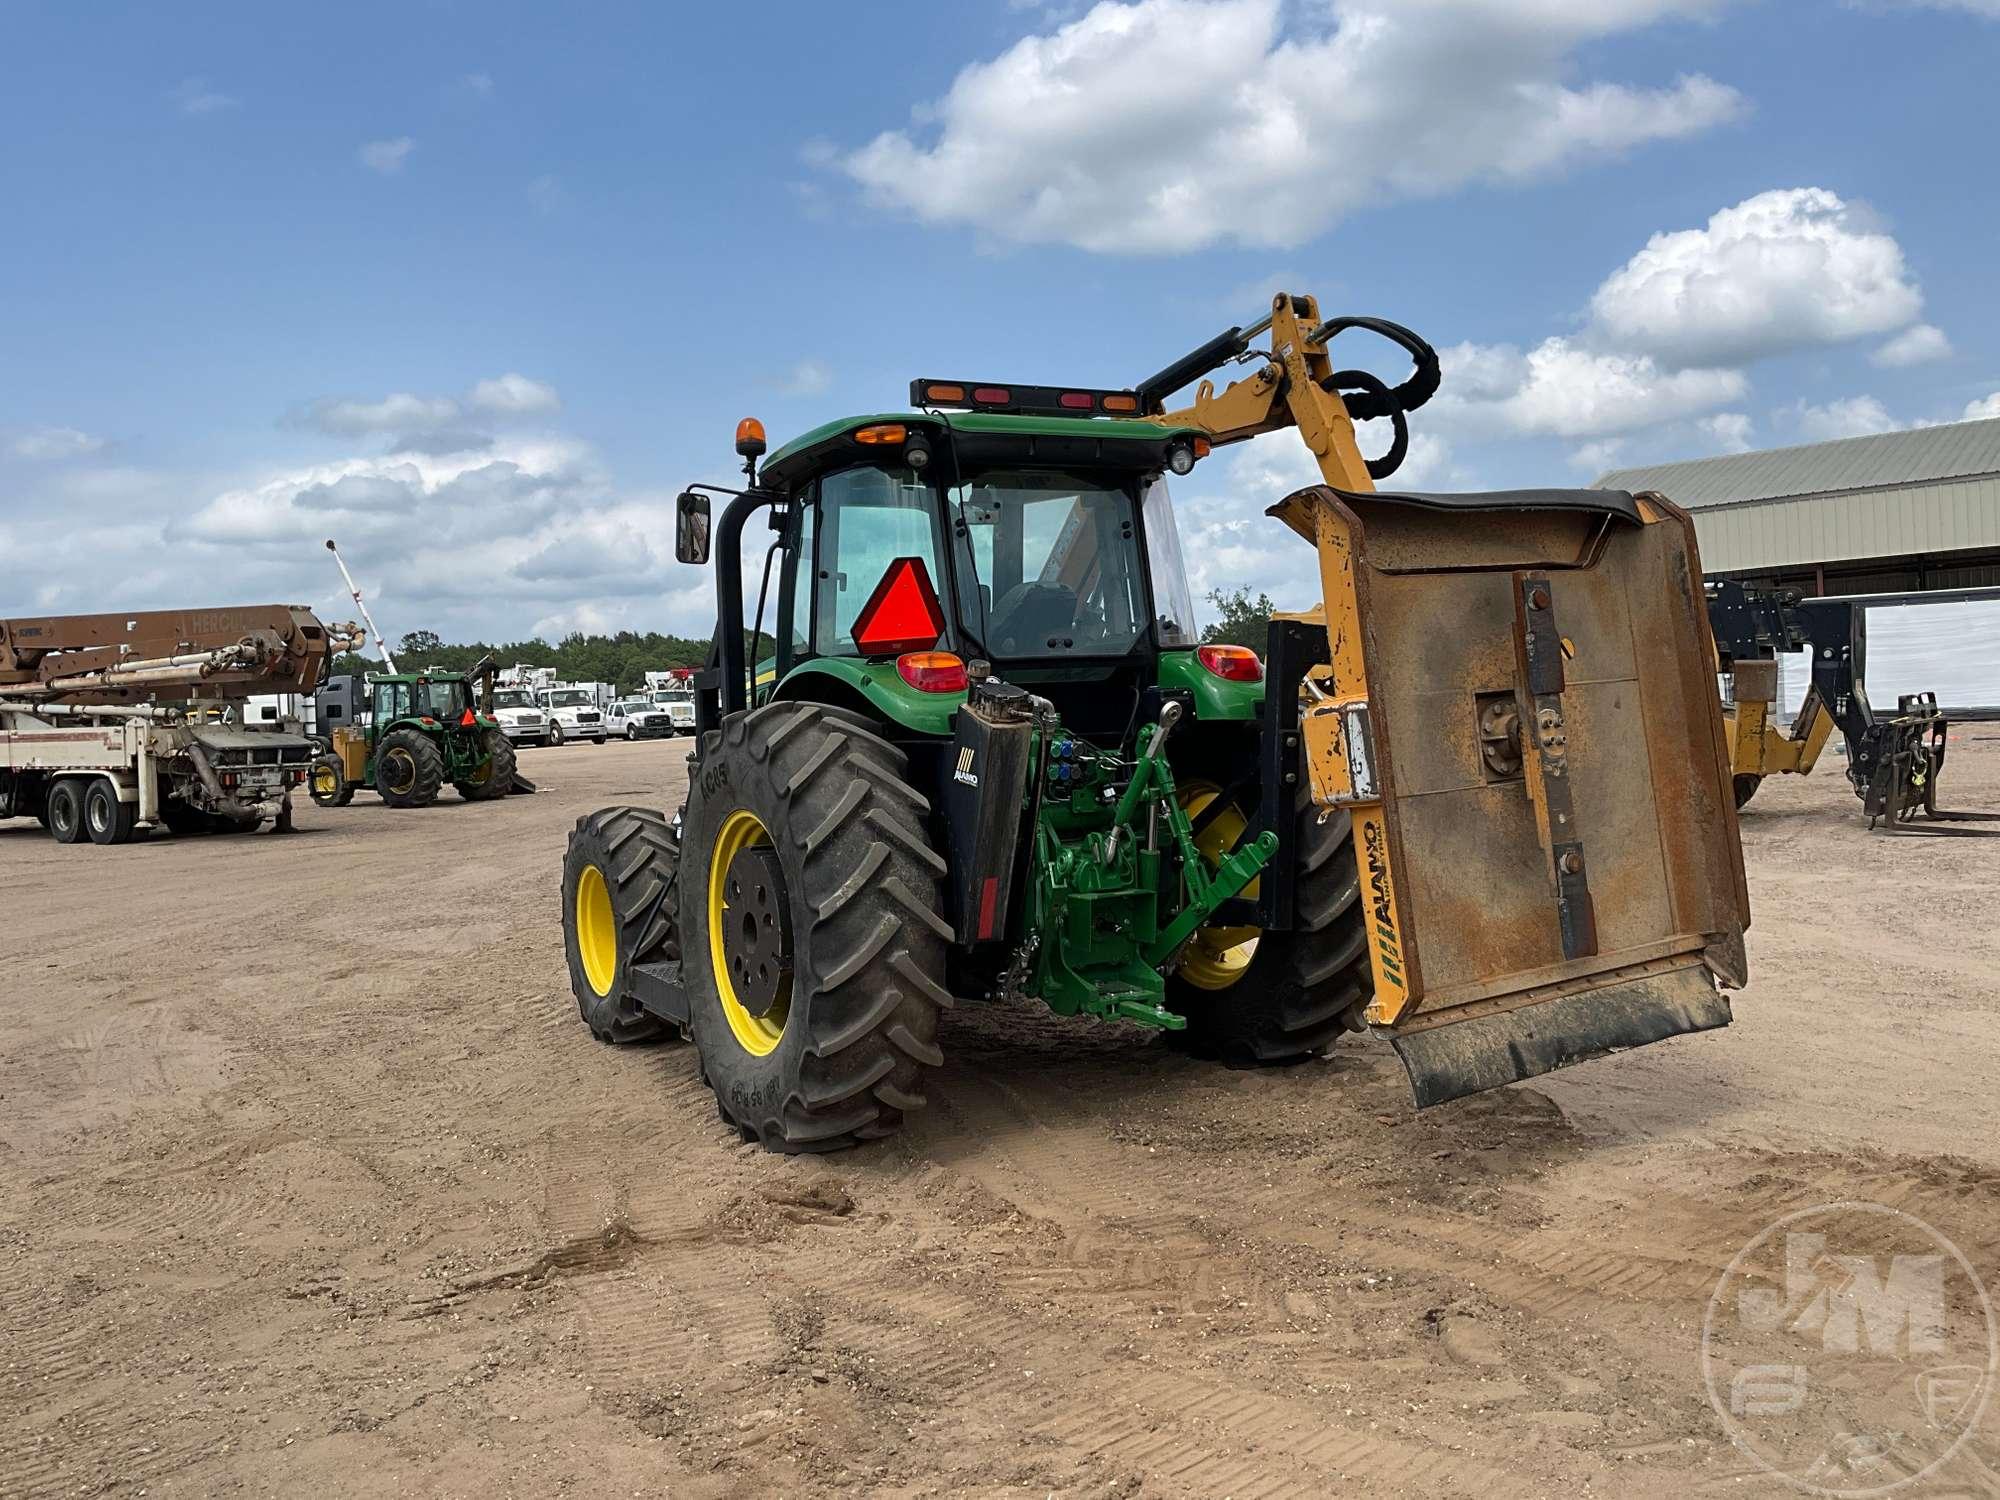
{"x":311,"y":1182}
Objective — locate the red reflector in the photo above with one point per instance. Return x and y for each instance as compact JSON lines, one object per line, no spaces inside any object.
{"x":468,"y":719}
{"x":1078,"y":399}
{"x":992,"y":395}
{"x":932,"y":671}
{"x":989,"y":897}
{"x":1235,"y":663}
{"x":902,"y":614}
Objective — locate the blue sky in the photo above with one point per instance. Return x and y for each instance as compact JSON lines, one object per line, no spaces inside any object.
{"x":475,"y":288}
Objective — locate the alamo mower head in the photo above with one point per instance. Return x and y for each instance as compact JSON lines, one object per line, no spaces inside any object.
{"x":967,"y":748}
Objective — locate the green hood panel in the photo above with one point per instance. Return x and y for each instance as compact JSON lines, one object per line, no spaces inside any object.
{"x":1215,"y":698}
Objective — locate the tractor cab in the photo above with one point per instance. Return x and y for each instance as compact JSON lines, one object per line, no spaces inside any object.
{"x":1042,"y":545}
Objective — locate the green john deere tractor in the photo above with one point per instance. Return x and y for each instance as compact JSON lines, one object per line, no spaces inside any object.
{"x":968,"y":748}
{"x":426,"y":729}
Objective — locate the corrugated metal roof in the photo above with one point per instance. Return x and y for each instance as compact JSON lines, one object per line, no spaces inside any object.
{"x":1920,"y":456}
{"x":1950,"y":515}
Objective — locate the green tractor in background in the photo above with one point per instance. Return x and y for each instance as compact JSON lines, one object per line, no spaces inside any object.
{"x":426,"y":729}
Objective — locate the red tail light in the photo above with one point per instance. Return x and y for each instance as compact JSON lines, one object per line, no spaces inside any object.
{"x":1232,"y":663}
{"x":932,"y":671}
{"x":903,"y":614}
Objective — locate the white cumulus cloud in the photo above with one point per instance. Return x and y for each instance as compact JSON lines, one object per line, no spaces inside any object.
{"x":1730,"y":430}
{"x":1855,"y":416}
{"x":806,"y":377}
{"x":387,"y":157}
{"x":515,"y":395}
{"x":193,"y":96}
{"x":1563,"y":388}
{"x":504,"y":398}
{"x":398,"y":412}
{"x":1162,"y":126}
{"x":1982,"y":409}
{"x":1783,"y":270}
{"x":1918,"y":344}
{"x":44,"y":443}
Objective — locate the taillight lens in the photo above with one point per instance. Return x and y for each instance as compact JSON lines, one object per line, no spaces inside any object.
{"x":1232,"y":663}
{"x":932,"y":671}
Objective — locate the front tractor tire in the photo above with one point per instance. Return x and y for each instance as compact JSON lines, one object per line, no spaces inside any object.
{"x":327,"y":783}
{"x":1281,"y":997}
{"x":409,"y":769}
{"x":494,"y":777}
{"x":620,"y":908}
{"x":814,"y":949}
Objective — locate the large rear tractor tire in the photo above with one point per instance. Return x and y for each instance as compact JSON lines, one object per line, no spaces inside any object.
{"x":409,"y":769}
{"x":327,"y":783}
{"x":495,"y":776}
{"x":620,"y":908}
{"x":814,"y":948}
{"x":1279,"y":997}
{"x":66,"y":811}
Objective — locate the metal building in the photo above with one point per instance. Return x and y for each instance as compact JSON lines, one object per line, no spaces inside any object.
{"x":1895,"y":513}
{"x":1909,"y":519}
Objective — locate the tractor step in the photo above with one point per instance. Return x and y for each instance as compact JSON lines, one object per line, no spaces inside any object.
{"x":658,"y":989}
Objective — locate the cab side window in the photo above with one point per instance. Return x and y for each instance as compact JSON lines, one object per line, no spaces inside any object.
{"x":868,"y":517}
{"x":392,"y":701}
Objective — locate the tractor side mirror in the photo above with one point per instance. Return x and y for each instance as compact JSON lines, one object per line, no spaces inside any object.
{"x":691,"y":528}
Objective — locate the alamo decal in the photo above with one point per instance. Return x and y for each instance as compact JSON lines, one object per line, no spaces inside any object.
{"x":1382,"y":934}
{"x":964,"y":772}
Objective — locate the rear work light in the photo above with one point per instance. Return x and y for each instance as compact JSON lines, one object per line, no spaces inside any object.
{"x":1027,"y":400}
{"x":932,"y":671}
{"x":902,"y":614}
{"x":1231,"y":663}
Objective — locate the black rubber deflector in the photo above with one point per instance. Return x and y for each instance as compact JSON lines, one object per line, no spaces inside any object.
{"x":1449,"y":1062}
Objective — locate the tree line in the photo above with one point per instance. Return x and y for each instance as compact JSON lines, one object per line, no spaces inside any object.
{"x":623,"y":659}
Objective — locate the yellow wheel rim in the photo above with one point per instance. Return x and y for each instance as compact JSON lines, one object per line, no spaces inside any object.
{"x":757,"y":1035}
{"x":325,"y":782}
{"x":596,"y":930}
{"x":1218,"y":956}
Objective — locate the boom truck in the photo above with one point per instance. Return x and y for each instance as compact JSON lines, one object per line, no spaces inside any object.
{"x":117,"y":722}
{"x":1477,"y":802}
